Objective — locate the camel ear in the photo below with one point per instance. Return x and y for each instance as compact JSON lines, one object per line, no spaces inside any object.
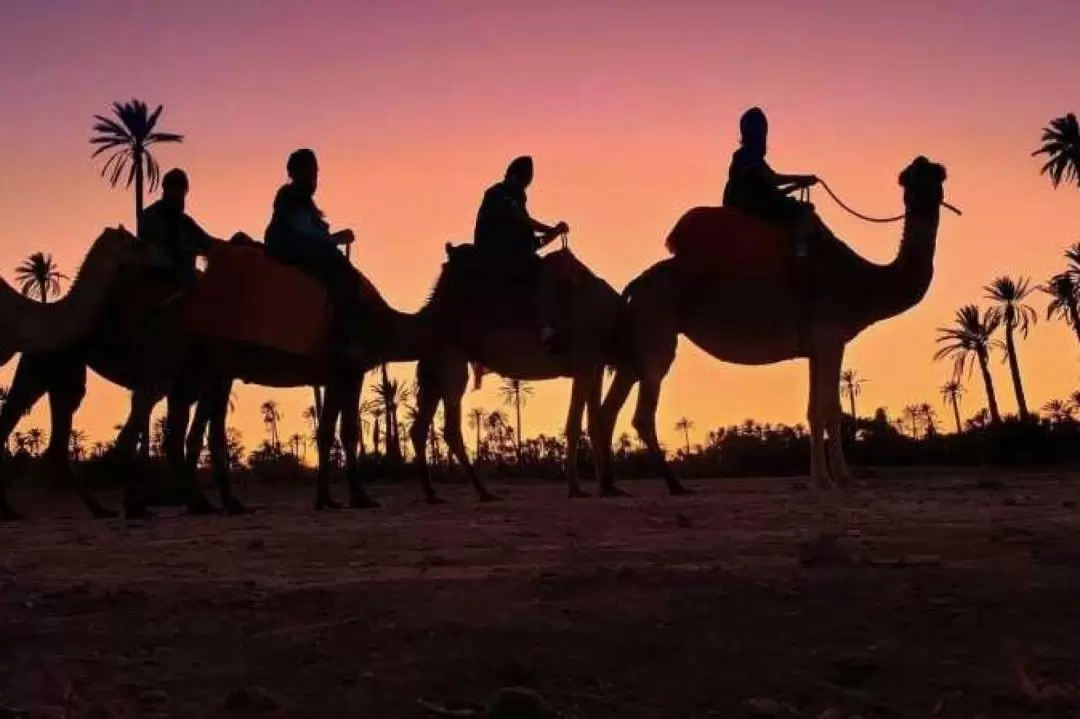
{"x":449,"y":247}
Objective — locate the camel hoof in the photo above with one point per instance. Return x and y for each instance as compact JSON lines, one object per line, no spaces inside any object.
{"x":678,"y":489}
{"x":363,"y":502}
{"x":578,"y":493}
{"x":434,"y":499}
{"x":490,"y":497}
{"x":100,"y":512}
{"x":613,"y":491}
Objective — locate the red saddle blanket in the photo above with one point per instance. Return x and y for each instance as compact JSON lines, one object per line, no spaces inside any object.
{"x":709,"y":239}
{"x":246,"y":296}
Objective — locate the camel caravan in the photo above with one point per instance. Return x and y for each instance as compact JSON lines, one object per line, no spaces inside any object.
{"x":292,"y":311}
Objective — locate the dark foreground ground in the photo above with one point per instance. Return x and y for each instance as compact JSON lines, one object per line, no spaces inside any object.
{"x":925,"y":597}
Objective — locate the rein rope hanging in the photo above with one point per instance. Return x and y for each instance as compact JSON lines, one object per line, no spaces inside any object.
{"x":855,"y":213}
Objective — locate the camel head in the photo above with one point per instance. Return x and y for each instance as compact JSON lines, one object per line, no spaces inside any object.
{"x":924,"y":185}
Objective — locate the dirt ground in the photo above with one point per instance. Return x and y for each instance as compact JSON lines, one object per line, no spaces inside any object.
{"x":932,"y":596}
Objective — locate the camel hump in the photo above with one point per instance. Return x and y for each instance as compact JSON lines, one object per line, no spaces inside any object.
{"x":722,"y":238}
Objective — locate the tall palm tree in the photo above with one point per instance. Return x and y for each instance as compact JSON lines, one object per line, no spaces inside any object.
{"x":850,"y":387}
{"x":392,"y":394}
{"x":270,"y":417}
{"x":911,"y":414}
{"x":951,"y":392}
{"x":1014,"y":316}
{"x":515,"y":392}
{"x":129,"y":138}
{"x":476,"y":421}
{"x":968,"y":342}
{"x":1064,"y":294}
{"x":38,"y":277}
{"x":297,"y":444}
{"x":928,"y":417}
{"x":684,"y":425}
{"x":1061,"y":145}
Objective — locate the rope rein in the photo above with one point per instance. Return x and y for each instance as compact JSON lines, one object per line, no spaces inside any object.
{"x":805,"y":196}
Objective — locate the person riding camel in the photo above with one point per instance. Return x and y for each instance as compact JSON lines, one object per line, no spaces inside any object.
{"x":299,"y":236}
{"x":166,"y":226}
{"x":507,"y":235}
{"x":755,"y":189}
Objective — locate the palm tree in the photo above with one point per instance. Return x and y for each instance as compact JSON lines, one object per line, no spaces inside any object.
{"x":129,"y":138}
{"x":297,"y":444}
{"x":35,"y":438}
{"x":476,"y":421}
{"x":1061,"y":145}
{"x":38,"y":277}
{"x":1064,"y":299}
{"x":392,"y":394}
{"x":684,"y":425}
{"x":1060,"y":411}
{"x":950,"y":392}
{"x":1074,"y":400}
{"x":270,"y":417}
{"x":969,"y":338}
{"x":928,"y":417}
{"x":77,"y":445}
{"x":911,"y":414}
{"x":1012,"y":314}
{"x":515,"y":392}
{"x":851,"y":387}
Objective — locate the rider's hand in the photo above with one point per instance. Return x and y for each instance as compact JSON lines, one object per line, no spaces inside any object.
{"x":812,"y":180}
{"x":562,"y":228}
{"x":344,"y":237}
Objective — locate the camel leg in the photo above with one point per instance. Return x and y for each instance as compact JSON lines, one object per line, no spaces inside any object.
{"x":27,"y":387}
{"x":325,"y":441}
{"x":350,"y":435}
{"x":213,"y":410}
{"x":606,"y":417}
{"x":645,"y":423}
{"x":176,"y":426}
{"x":833,"y":414}
{"x":580,"y":389}
{"x":428,"y":396}
{"x":142,"y":405}
{"x":456,"y":441}
{"x":66,"y":392}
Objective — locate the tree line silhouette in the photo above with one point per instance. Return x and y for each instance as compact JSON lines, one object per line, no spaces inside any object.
{"x":913,"y":436}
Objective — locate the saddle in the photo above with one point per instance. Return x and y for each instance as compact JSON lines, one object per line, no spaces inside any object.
{"x":723,"y":241}
{"x":247,"y":296}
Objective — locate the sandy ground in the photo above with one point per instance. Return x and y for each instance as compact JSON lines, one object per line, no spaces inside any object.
{"x":922,"y":597}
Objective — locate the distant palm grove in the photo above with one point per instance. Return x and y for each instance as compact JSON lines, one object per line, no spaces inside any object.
{"x":995,"y":326}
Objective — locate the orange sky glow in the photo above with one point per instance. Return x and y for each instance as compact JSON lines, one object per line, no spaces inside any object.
{"x":630,"y":110}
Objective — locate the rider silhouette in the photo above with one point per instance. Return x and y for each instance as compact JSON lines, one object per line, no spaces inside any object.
{"x":166,"y":225}
{"x":507,"y":235}
{"x":754,"y":188}
{"x":298,"y":235}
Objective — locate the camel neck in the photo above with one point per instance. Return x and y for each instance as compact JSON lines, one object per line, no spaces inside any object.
{"x":907,"y":278}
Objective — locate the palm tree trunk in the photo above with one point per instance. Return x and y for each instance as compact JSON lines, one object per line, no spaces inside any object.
{"x":956,"y":414}
{"x":991,"y":396}
{"x":138,"y":160}
{"x":517,"y":403}
{"x":1014,"y":368}
{"x":686,"y":436}
{"x":477,"y":459}
{"x":851,"y":402}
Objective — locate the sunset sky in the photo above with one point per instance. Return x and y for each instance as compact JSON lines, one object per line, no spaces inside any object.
{"x":630,"y":110}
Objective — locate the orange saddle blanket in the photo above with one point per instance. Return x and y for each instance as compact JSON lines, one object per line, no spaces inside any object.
{"x":710,"y":239}
{"x":245,"y":296}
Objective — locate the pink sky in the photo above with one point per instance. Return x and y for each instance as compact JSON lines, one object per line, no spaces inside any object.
{"x":630,"y":109}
